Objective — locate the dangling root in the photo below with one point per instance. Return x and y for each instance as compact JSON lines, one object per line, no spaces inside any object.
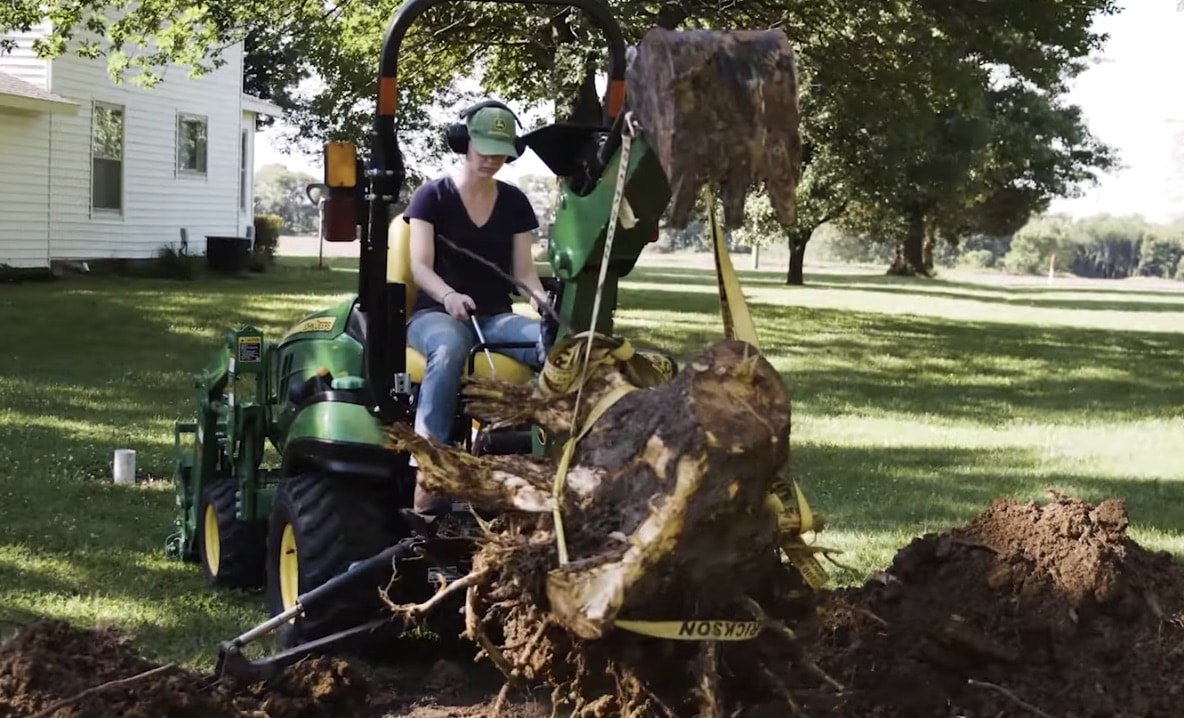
{"x":707,"y":671}
{"x":415,"y":612}
{"x":799,"y":654}
{"x":477,"y":634}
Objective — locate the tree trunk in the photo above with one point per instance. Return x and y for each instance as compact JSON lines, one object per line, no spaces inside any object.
{"x":797,"y":257}
{"x":910,"y":256}
{"x":927,"y":247}
{"x":665,"y":515}
{"x":756,"y":256}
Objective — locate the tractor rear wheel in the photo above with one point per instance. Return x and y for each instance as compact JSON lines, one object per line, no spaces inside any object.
{"x":320,"y":524}
{"x":230,"y":551}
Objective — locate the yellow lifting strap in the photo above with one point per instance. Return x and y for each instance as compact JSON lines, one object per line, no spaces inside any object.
{"x":738,"y":324}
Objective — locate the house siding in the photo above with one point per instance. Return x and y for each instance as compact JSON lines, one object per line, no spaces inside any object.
{"x":22,"y":62}
{"x":158,"y":200}
{"x":24,"y":189}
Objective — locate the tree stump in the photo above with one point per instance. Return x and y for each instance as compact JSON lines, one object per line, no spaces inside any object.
{"x":736,"y":93}
{"x":665,"y":518}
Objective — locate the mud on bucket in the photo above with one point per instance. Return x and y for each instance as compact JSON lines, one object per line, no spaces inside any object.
{"x":720,"y":108}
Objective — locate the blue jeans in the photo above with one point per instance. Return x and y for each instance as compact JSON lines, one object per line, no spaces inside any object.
{"x":445,"y":343}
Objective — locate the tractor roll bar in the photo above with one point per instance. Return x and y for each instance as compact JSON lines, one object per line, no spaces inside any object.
{"x":410,"y":11}
{"x":385,"y":358}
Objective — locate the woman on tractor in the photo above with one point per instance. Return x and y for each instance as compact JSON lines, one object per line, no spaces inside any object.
{"x":492,"y":219}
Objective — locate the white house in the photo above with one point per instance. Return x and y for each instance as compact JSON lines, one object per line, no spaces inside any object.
{"x":94,"y":170}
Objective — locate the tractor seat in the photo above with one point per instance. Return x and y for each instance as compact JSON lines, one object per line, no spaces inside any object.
{"x":507,"y":369}
{"x":399,"y":270}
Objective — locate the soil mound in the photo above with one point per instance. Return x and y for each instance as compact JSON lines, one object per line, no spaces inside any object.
{"x":47,"y":669}
{"x":1029,"y":610}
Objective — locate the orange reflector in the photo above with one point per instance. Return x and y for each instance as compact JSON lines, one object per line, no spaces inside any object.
{"x":388,"y":96}
{"x":341,"y":164}
{"x":616,"y":97}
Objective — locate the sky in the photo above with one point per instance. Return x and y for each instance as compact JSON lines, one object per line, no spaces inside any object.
{"x":1124,"y":105}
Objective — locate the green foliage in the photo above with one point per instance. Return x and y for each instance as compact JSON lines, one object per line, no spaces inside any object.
{"x":836,"y":244}
{"x":921,"y":120}
{"x":976,"y":259}
{"x":268,"y":228}
{"x":1103,"y":247}
{"x":1161,"y":250}
{"x":282,"y":192}
{"x":973,"y":136}
{"x":172,"y":263}
{"x":1033,"y":247}
{"x":541,"y":190}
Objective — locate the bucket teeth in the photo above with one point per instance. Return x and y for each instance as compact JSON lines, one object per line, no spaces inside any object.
{"x":720,"y":109}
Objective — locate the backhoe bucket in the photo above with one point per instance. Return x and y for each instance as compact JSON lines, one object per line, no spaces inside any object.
{"x":720,"y":108}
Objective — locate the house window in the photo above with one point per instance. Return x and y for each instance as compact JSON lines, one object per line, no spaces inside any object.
{"x":192,"y":144}
{"x":243,"y":178}
{"x":106,"y":174}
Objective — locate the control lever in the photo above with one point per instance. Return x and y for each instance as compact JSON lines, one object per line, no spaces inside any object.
{"x":481,"y":338}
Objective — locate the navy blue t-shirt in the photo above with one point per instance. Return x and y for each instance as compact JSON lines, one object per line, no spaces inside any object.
{"x":439,"y":203}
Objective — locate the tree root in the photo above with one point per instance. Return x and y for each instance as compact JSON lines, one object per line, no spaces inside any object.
{"x":708,"y":675}
{"x":118,"y":683}
{"x":799,"y":654}
{"x":1009,"y":696}
{"x":415,"y":612}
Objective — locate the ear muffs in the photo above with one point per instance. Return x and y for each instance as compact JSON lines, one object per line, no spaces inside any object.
{"x":456,"y":135}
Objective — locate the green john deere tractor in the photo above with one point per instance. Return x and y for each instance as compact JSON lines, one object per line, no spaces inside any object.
{"x":328,"y":524}
{"x":333,"y":510}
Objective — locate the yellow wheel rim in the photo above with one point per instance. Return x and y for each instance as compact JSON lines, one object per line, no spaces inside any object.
{"x":213,"y":541}
{"x":289,"y":568}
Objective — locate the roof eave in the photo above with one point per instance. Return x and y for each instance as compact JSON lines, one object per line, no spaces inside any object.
{"x":15,"y":101}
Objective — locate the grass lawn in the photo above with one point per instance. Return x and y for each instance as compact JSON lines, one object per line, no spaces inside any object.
{"x":915,"y":403}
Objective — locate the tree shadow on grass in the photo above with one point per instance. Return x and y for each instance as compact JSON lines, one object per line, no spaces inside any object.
{"x":93,"y":552}
{"x":96,"y":364}
{"x":884,"y":281}
{"x":1021,"y":295}
{"x":841,"y":362}
{"x":1003,"y":297}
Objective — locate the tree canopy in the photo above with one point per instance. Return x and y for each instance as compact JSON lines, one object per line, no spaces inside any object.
{"x":921,"y":119}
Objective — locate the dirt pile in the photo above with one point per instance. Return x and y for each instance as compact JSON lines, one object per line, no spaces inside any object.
{"x":48,"y":668}
{"x":1029,"y":610}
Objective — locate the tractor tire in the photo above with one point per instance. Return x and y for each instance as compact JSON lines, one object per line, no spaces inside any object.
{"x":328,"y":522}
{"x":230,"y":551}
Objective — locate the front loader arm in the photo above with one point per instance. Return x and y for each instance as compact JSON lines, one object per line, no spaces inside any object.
{"x":582,"y":225}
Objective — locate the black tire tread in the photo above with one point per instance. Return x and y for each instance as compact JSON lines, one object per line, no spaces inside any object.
{"x":241,"y":556}
{"x":338,"y":520}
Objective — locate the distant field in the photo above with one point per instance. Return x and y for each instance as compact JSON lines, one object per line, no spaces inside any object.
{"x":915,"y":403}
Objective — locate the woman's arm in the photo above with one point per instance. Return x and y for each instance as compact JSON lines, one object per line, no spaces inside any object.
{"x":423,"y":258}
{"x":524,"y":269}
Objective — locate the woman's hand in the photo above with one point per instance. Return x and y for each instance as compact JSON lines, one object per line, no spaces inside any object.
{"x":459,"y":305}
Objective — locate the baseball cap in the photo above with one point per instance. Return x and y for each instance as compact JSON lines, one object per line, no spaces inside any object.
{"x":492,"y":132}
